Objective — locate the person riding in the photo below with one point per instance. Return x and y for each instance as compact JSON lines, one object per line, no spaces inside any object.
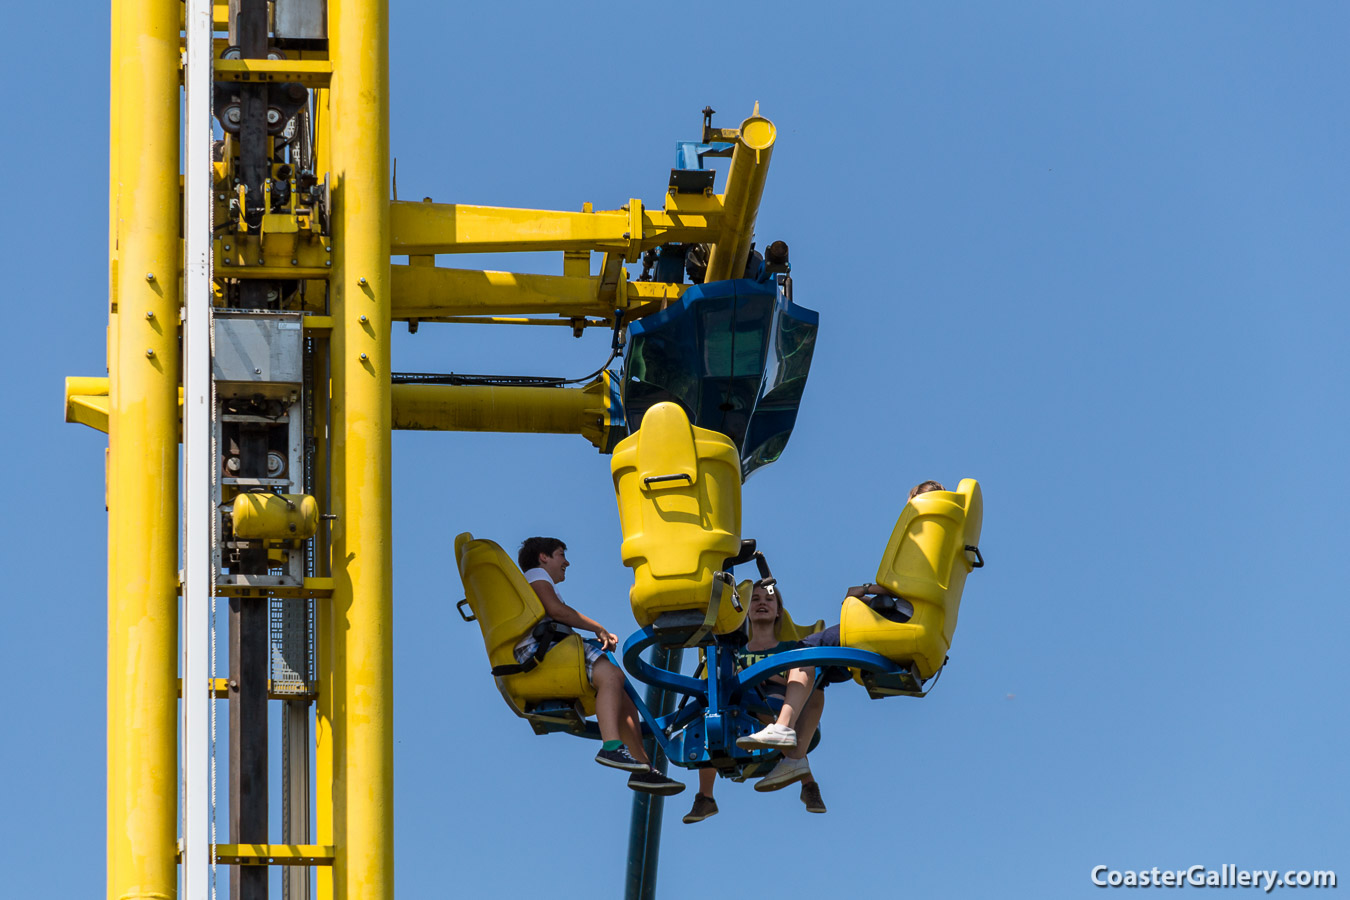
{"x":765,"y":616}
{"x":793,"y":726}
{"x":544,"y":562}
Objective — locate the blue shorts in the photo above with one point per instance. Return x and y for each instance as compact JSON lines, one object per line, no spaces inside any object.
{"x":829,"y":674}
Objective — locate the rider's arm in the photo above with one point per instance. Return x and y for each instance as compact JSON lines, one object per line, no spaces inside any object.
{"x":869,"y":589}
{"x":558,"y":611}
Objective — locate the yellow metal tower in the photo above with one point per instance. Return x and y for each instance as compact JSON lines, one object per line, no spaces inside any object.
{"x":299,"y":227}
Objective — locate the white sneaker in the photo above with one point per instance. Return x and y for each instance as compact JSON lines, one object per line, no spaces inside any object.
{"x":772,"y":737}
{"x":788,"y":771}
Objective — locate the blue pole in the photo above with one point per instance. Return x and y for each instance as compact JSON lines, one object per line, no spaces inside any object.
{"x":644,"y":829}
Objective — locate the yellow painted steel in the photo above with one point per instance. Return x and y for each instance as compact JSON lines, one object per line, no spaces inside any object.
{"x":309,"y":72}
{"x":275,"y":517}
{"x":424,"y":292}
{"x":424,"y":228}
{"x":115,"y":54}
{"x":745,"y":187}
{"x":519,"y":410}
{"x":507,"y":608}
{"x":275,"y":854}
{"x":679,"y":493}
{"x":362,"y":714}
{"x":926,"y":562}
{"x":143,"y":458}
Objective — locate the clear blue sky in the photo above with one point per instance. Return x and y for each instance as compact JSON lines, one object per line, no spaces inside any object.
{"x":1093,"y":255}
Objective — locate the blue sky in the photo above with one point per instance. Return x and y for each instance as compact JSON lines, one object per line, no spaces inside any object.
{"x":1093,"y":255}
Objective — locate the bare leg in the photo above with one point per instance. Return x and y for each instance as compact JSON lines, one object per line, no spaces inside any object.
{"x":806,"y":725}
{"x":800,"y":683}
{"x":706,"y":779}
{"x":630,"y":729}
{"x":614,"y":712}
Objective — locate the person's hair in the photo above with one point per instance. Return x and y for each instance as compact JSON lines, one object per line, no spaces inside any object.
{"x":924,"y":487}
{"x":530,"y":548}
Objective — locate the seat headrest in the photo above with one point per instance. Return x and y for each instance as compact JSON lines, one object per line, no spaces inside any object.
{"x":666,"y":453}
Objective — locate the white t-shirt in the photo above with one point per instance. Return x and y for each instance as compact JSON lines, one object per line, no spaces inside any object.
{"x":539,"y":573}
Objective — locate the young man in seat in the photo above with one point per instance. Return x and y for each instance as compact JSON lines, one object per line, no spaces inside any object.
{"x":792,"y":728}
{"x":544,"y":562}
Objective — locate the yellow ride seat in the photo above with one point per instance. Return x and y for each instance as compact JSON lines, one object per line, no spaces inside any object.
{"x":507,"y":609}
{"x":679,"y":493}
{"x":926,"y":562}
{"x":789,"y":630}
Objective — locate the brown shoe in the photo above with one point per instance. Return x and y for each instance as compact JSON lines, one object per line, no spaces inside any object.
{"x":704,"y":806}
{"x":811,"y":797}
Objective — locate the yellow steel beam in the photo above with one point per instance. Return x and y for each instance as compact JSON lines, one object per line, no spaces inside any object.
{"x":309,"y":72}
{"x":362,"y":715}
{"x":428,"y":228}
{"x":424,"y":292}
{"x":519,"y":410}
{"x":275,"y":854}
{"x":745,"y":187}
{"x":143,"y":459}
{"x":220,"y":689}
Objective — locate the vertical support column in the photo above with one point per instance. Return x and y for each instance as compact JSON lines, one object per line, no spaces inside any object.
{"x":143,"y":464}
{"x":362,"y":559}
{"x":323,"y":616}
{"x":114,"y":378}
{"x":644,"y":824}
{"x":198,"y":454}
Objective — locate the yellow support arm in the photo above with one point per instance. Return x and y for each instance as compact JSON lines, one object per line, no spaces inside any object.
{"x":745,"y":187}
{"x":428,"y":228}
{"x":516,"y":410}
{"x":425,"y":292}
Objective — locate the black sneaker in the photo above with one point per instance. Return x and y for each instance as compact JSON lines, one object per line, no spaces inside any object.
{"x":653,"y":782}
{"x":704,"y":806}
{"x":620,"y":759}
{"x":811,"y":797}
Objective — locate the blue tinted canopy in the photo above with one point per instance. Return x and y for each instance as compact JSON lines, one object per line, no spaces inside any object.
{"x":735,"y":354}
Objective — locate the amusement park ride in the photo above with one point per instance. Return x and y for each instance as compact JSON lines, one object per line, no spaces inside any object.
{"x":251,"y":302}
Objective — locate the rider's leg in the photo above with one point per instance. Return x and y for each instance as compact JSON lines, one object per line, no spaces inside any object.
{"x":614,"y":712}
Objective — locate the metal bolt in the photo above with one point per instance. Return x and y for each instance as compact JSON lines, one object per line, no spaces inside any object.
{"x":295,"y":262}
{"x":227,"y":246}
{"x":361,"y":281}
{"x":149,"y":276}
{"x":363,"y":357}
{"x":327,"y":249}
{"x":363,"y":319}
{"x":328,"y":262}
{"x":693,"y":754}
{"x":150,"y":354}
{"x":273,"y":116}
{"x":149,"y":313}
{"x":257,"y":371}
{"x":260,"y":260}
{"x":220,"y":196}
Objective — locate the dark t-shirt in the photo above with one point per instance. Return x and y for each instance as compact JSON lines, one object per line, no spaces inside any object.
{"x":746,"y":658}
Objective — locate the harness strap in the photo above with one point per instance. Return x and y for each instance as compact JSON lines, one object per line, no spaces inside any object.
{"x":546,"y":634}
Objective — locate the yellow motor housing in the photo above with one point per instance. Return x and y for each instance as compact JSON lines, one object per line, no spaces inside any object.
{"x":507,"y":608}
{"x":679,"y":493}
{"x":926,"y":562}
{"x":275,"y":517}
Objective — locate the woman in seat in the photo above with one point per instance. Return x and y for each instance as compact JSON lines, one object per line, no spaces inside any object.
{"x":544,"y":562}
{"x":766,"y":610}
{"x":804,"y":685}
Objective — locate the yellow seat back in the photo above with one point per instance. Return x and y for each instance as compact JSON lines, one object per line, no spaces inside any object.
{"x":789,"y":630}
{"x":926,"y":563}
{"x":679,"y":493}
{"x":507,"y":608}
